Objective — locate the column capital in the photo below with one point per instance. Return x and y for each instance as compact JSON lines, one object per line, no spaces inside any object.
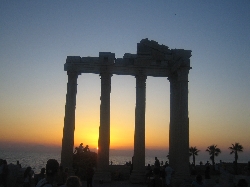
{"x":73,"y":74}
{"x":140,"y":75}
{"x":105,"y":74}
{"x":180,"y":75}
{"x":140,"y":80}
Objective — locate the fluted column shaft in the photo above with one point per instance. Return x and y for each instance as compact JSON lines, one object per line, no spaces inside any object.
{"x":179,"y":124}
{"x":69,"y":121}
{"x":104,"y":129}
{"x":139,"y":136}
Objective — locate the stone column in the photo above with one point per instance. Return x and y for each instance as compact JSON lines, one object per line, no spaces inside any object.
{"x":102,"y":172}
{"x":69,"y":121}
{"x":138,"y":173}
{"x":179,"y":126}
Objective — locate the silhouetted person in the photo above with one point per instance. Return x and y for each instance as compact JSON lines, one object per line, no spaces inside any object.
{"x":242,"y":183}
{"x":193,"y":169}
{"x":40,"y":176}
{"x":131,"y":166}
{"x":89,"y":175}
{"x":51,"y":172}
{"x":4,"y":173}
{"x":156,"y":181}
{"x":18,"y":164}
{"x":79,"y":150}
{"x":198,"y":181}
{"x":1,"y":172}
{"x":161,"y":163}
{"x":166,"y":163}
{"x":27,"y":177}
{"x":149,"y":172}
{"x":157,"y":162}
{"x":86,"y":149}
{"x":61,"y":176}
{"x":168,"y":174}
{"x":73,"y":181}
{"x":207,"y":172}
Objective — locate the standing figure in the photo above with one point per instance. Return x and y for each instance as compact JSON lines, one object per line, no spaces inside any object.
{"x":89,"y":174}
{"x":4,"y":171}
{"x":51,"y":172}
{"x":61,"y":176}
{"x":1,"y":172}
{"x":157,"y":162}
{"x":40,"y":176}
{"x":80,"y":149}
{"x":27,"y":176}
{"x":86,"y":148}
{"x":18,"y":164}
{"x":149,"y":172}
{"x":156,"y":181}
{"x":168,"y":174}
{"x":207,"y":172}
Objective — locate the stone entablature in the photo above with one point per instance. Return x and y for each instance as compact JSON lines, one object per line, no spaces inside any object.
{"x":154,"y":59}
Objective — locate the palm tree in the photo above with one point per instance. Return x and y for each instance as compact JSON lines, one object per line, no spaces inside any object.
{"x":213,"y":151}
{"x":193,"y":151}
{"x":235,"y":149}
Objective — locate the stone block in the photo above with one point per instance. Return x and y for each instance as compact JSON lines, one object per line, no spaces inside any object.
{"x":73,"y":59}
{"x":106,"y":58}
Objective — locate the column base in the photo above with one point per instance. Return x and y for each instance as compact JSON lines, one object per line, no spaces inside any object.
{"x":102,"y":176}
{"x":137,"y":177}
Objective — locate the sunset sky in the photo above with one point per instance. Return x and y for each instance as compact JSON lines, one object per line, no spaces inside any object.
{"x":37,"y":36}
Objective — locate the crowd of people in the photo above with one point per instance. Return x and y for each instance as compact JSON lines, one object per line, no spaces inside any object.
{"x":53,"y":174}
{"x":159,"y":175}
{"x":81,"y":149}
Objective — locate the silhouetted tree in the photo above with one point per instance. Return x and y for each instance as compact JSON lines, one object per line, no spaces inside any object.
{"x":193,"y":151}
{"x":235,"y":149}
{"x":213,"y":151}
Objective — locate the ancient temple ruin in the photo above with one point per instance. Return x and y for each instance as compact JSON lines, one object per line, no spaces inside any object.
{"x":151,"y":59}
